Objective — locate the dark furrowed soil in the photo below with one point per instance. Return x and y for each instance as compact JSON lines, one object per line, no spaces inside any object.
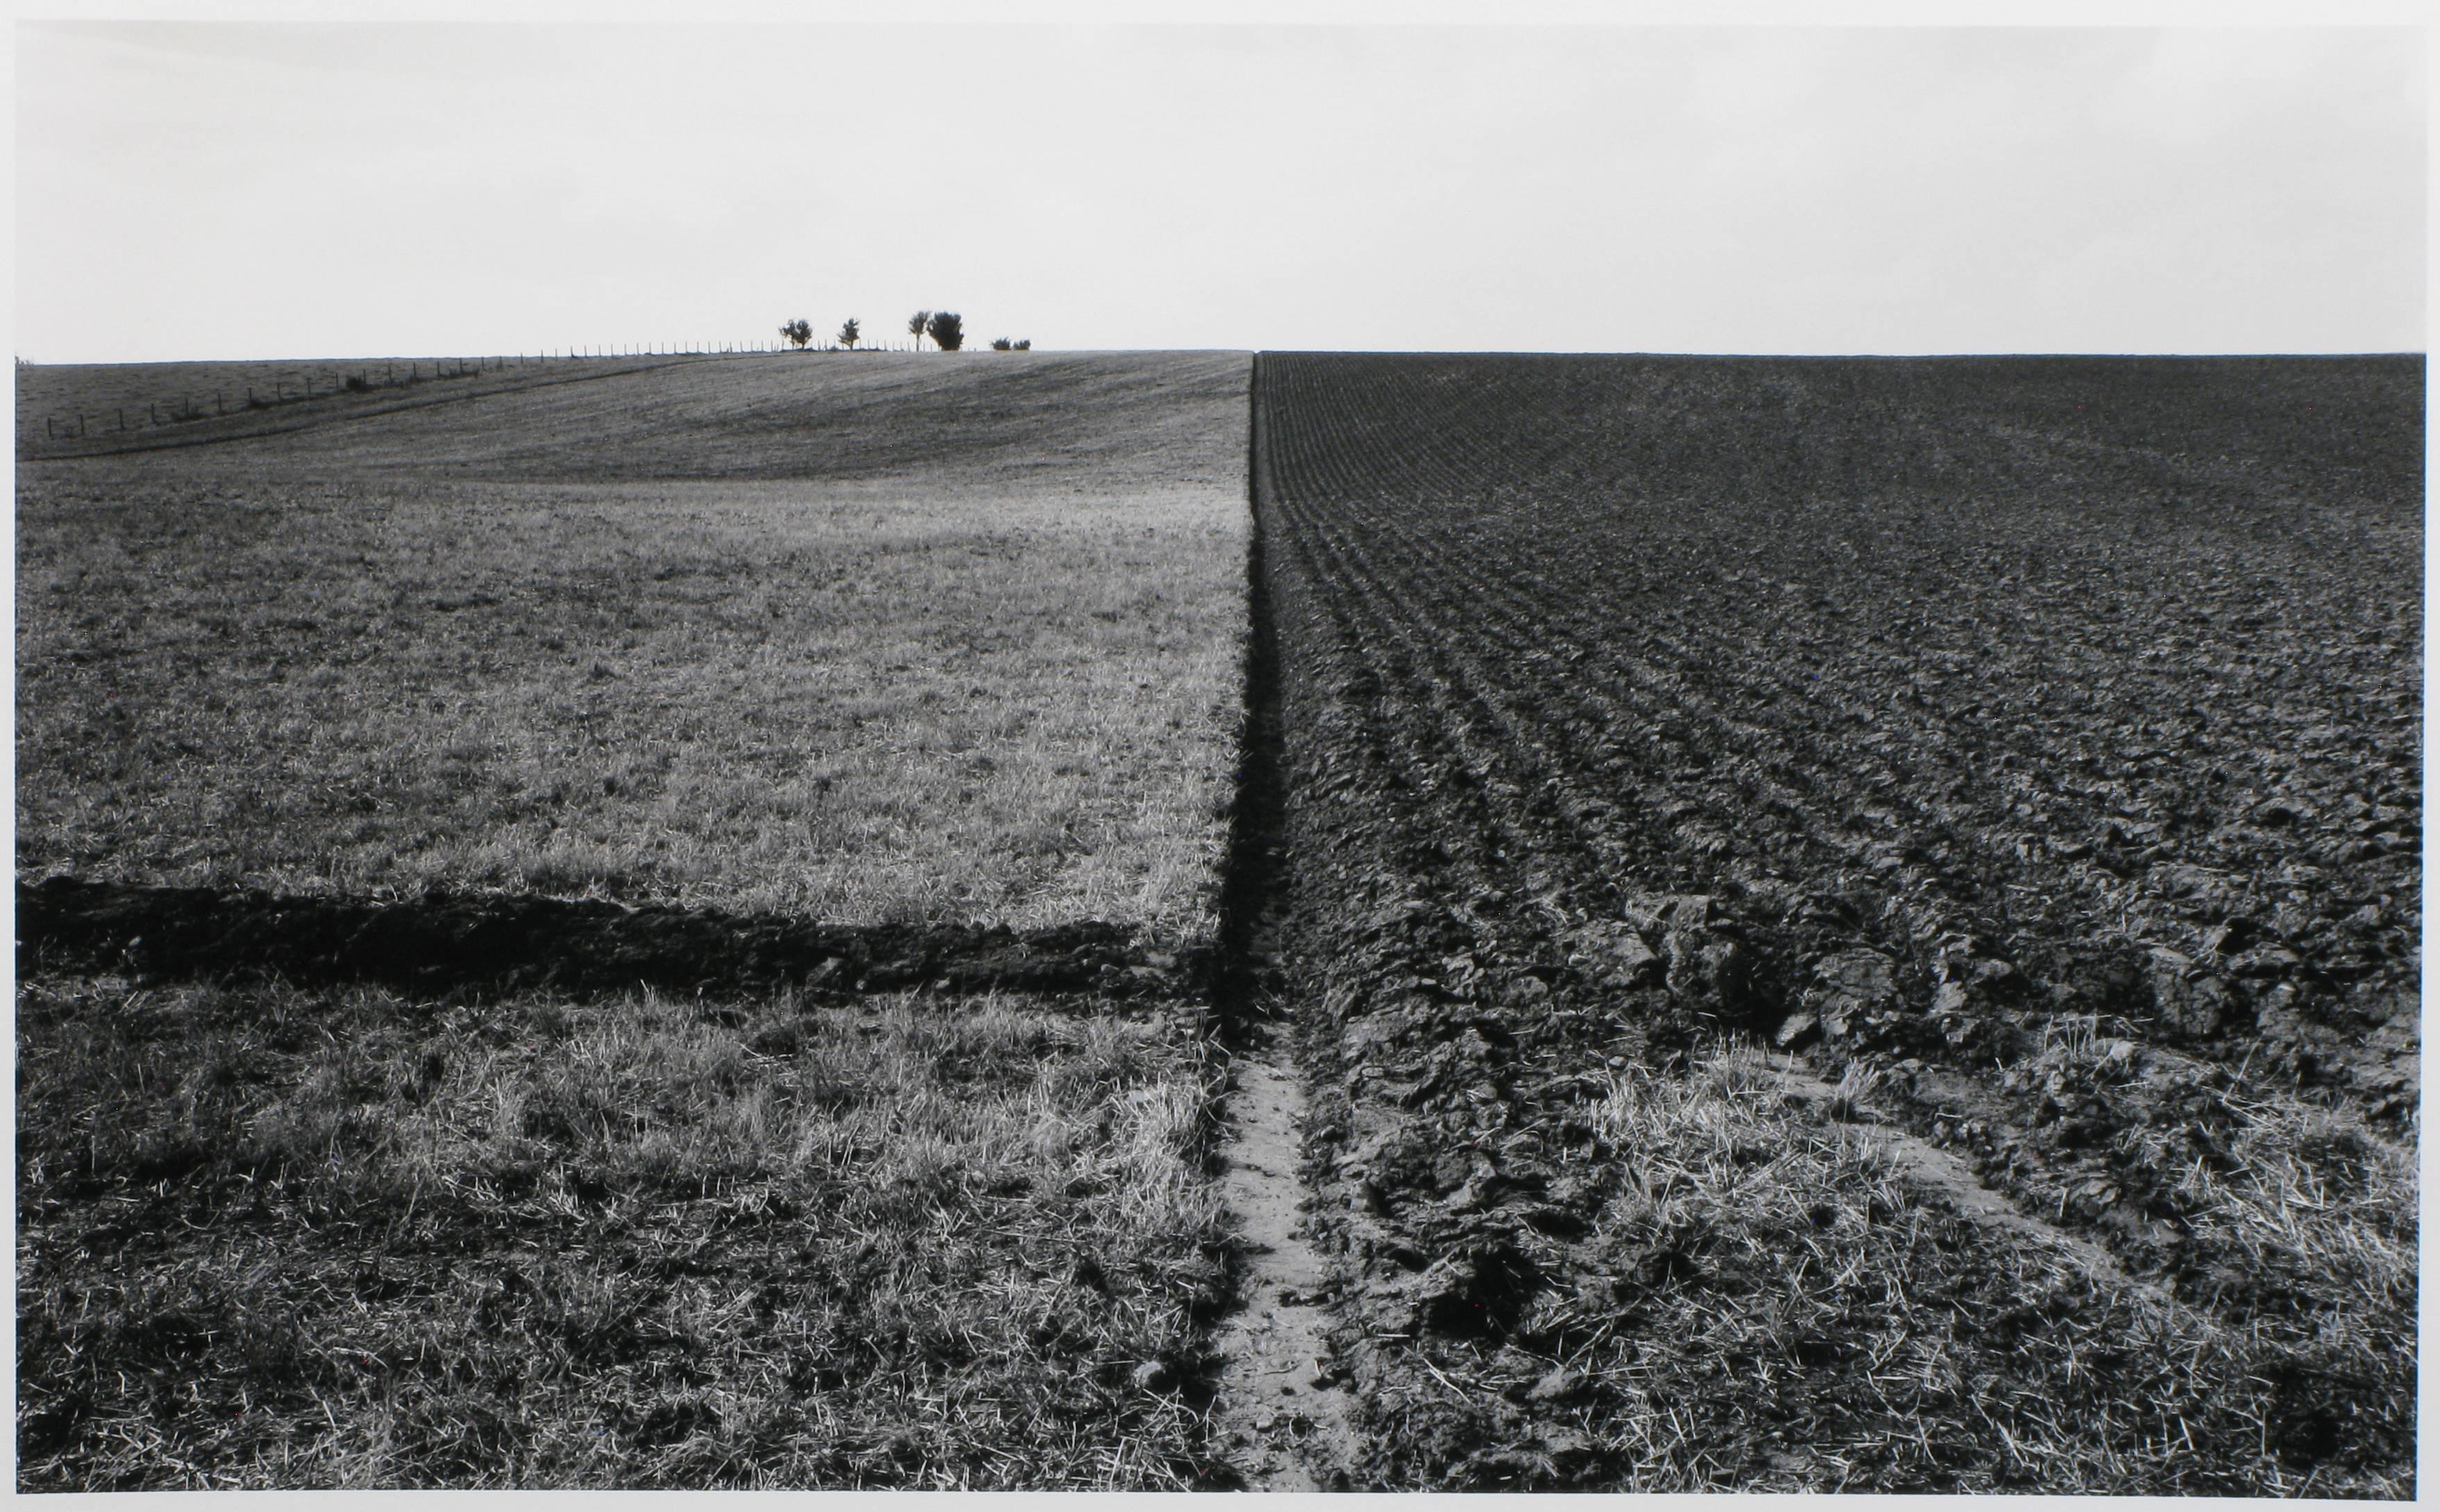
{"x":2030,"y":745}
{"x":441,"y":943}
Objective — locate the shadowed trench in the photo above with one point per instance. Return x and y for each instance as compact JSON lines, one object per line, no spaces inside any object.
{"x":1279,"y":1416}
{"x":1254,"y":872}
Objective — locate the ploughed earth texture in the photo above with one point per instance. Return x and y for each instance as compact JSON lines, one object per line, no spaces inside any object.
{"x":2023,"y":751}
{"x":861,"y":920}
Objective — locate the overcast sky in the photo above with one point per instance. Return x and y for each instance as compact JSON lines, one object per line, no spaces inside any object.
{"x":244,"y":191}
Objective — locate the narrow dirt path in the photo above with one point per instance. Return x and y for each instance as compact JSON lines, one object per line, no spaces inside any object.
{"x":1277,"y":1413}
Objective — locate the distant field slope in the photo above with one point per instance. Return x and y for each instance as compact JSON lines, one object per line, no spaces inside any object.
{"x":83,"y":409}
{"x":1066,"y":421}
{"x":2029,"y":748}
{"x":858,"y":638}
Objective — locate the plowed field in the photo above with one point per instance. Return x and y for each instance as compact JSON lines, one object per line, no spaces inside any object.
{"x":2028,"y":747}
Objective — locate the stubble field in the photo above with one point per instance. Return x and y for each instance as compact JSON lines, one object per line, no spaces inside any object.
{"x":343,"y":1236}
{"x":975,"y":690}
{"x":374,"y":766}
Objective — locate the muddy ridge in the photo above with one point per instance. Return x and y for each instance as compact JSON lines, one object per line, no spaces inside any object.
{"x":442,"y":942}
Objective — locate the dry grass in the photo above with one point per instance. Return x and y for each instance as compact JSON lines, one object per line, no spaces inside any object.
{"x":1971,"y":1363}
{"x":276,"y":1237}
{"x":954,"y":695}
{"x":1786,"y":1312}
{"x":2294,"y":1217}
{"x":861,"y":641}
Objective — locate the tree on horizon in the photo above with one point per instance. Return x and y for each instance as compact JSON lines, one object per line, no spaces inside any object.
{"x":917,"y":323}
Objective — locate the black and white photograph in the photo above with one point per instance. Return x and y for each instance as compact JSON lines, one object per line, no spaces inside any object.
{"x":1570,"y":747}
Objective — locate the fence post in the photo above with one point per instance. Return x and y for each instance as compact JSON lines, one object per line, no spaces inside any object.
{"x":47,"y":428}
{"x":152,"y":416}
{"x":122,"y":417}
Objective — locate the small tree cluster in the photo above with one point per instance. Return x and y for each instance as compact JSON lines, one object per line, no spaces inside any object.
{"x":1001,"y":344}
{"x":946,"y":327}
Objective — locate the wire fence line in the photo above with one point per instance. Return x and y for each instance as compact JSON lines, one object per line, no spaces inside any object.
{"x":338,"y":379}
